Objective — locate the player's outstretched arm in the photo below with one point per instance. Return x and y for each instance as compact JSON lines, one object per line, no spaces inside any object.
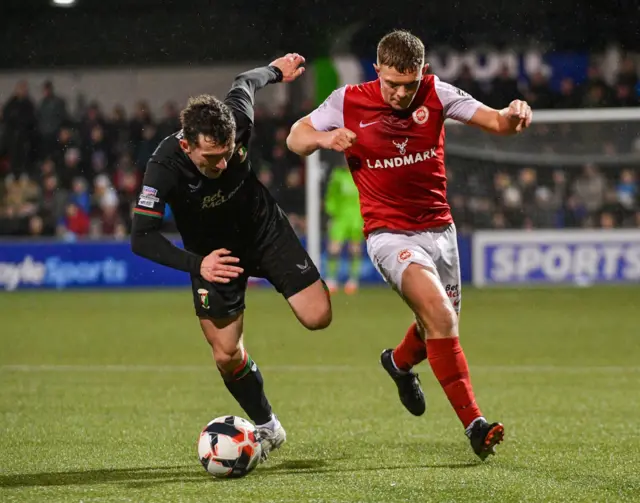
{"x":241,"y":96}
{"x":285,"y":69}
{"x":147,"y":241}
{"x":510,"y":120}
{"x":461,"y":106}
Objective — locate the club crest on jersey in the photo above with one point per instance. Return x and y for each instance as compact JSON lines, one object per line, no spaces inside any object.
{"x":421,"y":115}
{"x":404,"y":255}
{"x":204,"y":297}
{"x":402,"y":147}
{"x":242,"y":152}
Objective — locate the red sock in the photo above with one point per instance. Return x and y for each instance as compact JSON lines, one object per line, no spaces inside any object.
{"x":450,"y":368}
{"x":411,"y":350}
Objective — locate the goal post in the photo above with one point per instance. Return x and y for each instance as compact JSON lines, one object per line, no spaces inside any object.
{"x":313,"y":189}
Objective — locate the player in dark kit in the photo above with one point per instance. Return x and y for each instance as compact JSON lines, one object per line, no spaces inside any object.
{"x":232,"y":228}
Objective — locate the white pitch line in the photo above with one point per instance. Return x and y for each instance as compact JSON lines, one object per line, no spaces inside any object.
{"x":520,"y":369}
{"x":173,"y":368}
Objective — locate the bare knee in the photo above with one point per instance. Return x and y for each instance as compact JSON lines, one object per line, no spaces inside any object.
{"x":439,"y":323}
{"x":316,"y":319}
{"x":227,"y":360}
{"x":426,"y":296}
{"x":225,"y":339}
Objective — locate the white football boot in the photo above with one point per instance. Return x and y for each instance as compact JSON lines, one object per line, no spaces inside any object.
{"x":272,"y":436}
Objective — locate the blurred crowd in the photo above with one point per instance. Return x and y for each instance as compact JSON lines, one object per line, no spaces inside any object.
{"x":78,"y":174}
{"x":544,"y":198}
{"x":594,"y":92}
{"x":75,"y":175}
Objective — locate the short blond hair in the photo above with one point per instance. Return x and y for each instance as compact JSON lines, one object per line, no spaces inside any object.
{"x":401,"y":50}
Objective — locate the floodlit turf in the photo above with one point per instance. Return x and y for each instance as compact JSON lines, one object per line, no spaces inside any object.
{"x":103,"y":395}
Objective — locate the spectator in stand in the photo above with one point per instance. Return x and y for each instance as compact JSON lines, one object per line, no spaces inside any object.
{"x":148,"y":143}
{"x":74,"y":223}
{"x":119,"y":131}
{"x":539,"y":95}
{"x":141,"y":119}
{"x":625,"y":96}
{"x":47,"y":168}
{"x":466,"y":82}
{"x":568,"y":96}
{"x":128,"y":188}
{"x":280,"y":166}
{"x":20,"y":200}
{"x":19,"y":125}
{"x":595,"y":91}
{"x":628,"y":74}
{"x":92,"y":118}
{"x":170,"y":122}
{"x":292,"y":200}
{"x":97,"y":152}
{"x":54,"y":200}
{"x":71,"y":167}
{"x":544,"y":213}
{"x":613,"y":207}
{"x":627,"y":190}
{"x":589,"y":189}
{"x":528,"y":183}
{"x":80,"y":194}
{"x":575,"y":213}
{"x":67,"y":139}
{"x":37,"y":227}
{"x":504,"y":88}
{"x":107,"y":221}
{"x":52,"y":114}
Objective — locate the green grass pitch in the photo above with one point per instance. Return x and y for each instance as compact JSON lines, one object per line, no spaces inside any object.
{"x":103,"y":395}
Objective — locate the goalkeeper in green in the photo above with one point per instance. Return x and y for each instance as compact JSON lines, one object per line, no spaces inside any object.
{"x":342,"y":205}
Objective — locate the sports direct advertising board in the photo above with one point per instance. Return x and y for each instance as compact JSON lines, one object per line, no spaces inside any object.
{"x":578,"y":257}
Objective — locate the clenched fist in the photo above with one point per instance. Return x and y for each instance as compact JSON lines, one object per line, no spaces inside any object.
{"x":339,"y":139}
{"x":216,"y":267}
{"x":520,"y":114}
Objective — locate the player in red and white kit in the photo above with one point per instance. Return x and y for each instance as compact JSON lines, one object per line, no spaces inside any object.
{"x":392,"y":133}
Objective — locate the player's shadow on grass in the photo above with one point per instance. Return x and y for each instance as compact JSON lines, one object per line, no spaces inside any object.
{"x":149,"y":475}
{"x":155,"y":475}
{"x":305,"y":466}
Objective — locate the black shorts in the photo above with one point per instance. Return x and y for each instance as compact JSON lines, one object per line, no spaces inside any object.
{"x":280,"y":258}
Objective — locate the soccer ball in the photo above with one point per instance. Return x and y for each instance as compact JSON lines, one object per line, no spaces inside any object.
{"x":228,"y":447}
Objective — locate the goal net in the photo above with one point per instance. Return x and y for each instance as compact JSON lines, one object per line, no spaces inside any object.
{"x":585,"y":161}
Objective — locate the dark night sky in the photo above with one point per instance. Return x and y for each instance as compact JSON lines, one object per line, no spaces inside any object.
{"x":142,"y":32}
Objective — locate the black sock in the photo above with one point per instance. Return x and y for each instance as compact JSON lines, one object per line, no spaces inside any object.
{"x":247,"y":387}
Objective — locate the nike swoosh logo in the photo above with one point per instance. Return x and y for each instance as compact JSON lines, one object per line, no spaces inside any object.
{"x":367,"y":124}
{"x":193,"y":188}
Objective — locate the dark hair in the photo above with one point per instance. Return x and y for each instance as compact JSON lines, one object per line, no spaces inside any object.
{"x":210,"y":117}
{"x":401,"y":50}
